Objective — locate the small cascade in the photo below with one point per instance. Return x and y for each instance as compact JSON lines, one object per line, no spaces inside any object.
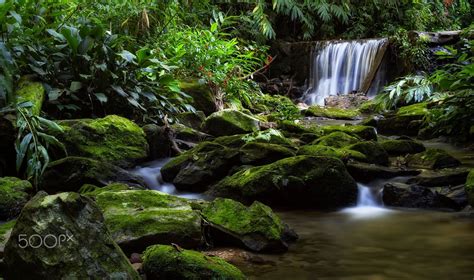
{"x":151,"y":175}
{"x":369,"y":203}
{"x":341,"y":67}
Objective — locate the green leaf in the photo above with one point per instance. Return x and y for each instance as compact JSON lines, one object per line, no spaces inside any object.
{"x":75,"y":86}
{"x":21,"y":150}
{"x":101,"y":97}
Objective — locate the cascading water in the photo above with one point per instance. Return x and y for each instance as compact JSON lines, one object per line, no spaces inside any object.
{"x":341,"y":67}
{"x":369,"y":203}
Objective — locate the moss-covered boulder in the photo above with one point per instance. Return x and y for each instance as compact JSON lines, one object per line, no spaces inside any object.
{"x":191,"y":119}
{"x":373,"y":152}
{"x":367,"y":172}
{"x":111,"y":139}
{"x":407,"y":120}
{"x":274,"y":107}
{"x":14,"y":193}
{"x":188,"y":134}
{"x":255,"y":227}
{"x":432,"y":159}
{"x":445,"y":177}
{"x":230,"y":122}
{"x":200,"y":166}
{"x":71,"y":173}
{"x":402,"y":147}
{"x":337,"y":139}
{"x":203,"y":98}
{"x":469,"y":186}
{"x":75,"y":242}
{"x":326,"y":151}
{"x":30,"y":91}
{"x":300,"y":181}
{"x":364,"y":132}
{"x":255,"y":153}
{"x":171,"y":262}
{"x":332,"y":113}
{"x":140,"y":218}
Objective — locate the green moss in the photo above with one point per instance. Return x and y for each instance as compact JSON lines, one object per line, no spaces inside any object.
{"x":418,"y":109}
{"x":373,"y":152}
{"x":332,"y":113}
{"x":133,"y":215}
{"x":14,"y":193}
{"x":32,"y":92}
{"x":337,"y":139}
{"x":232,"y":141}
{"x":402,"y":147}
{"x":111,"y":139}
{"x":364,"y":132}
{"x":233,"y":216}
{"x":271,"y":135}
{"x":91,"y":190}
{"x":469,"y":186}
{"x":229,"y":122}
{"x":320,"y":150}
{"x":432,"y":159}
{"x":275,"y":107}
{"x":370,"y":107}
{"x":167,"y":262}
{"x":191,"y":119}
{"x":203,"y":98}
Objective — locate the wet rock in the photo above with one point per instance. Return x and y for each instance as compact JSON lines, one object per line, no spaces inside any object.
{"x":300,"y":181}
{"x":456,"y":193}
{"x":255,"y":153}
{"x":255,"y":227}
{"x":346,"y":101}
{"x":440,"y":178}
{"x":230,"y":122}
{"x":203,"y":98}
{"x":140,"y":218}
{"x":184,"y":133}
{"x":239,"y":257}
{"x":373,"y":152}
{"x":402,"y":147}
{"x":71,"y":173}
{"x":191,"y":119}
{"x":112,"y":139}
{"x":325,"y":151}
{"x":14,"y":193}
{"x":413,"y":196}
{"x":406,"y":121}
{"x":337,"y":139}
{"x":172,"y":262}
{"x":158,"y":140}
{"x":366,"y":172}
{"x":332,"y":113}
{"x":200,"y":167}
{"x":432,"y":159}
{"x":5,"y":232}
{"x":87,"y":251}
{"x":364,"y":132}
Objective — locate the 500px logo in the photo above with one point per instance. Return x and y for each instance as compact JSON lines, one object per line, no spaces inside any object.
{"x":49,"y":241}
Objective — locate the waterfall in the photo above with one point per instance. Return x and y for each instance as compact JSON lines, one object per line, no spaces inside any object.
{"x":366,"y":197}
{"x":341,"y":67}
{"x":369,"y":203}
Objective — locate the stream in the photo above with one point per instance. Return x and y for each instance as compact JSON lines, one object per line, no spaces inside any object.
{"x":368,"y":241}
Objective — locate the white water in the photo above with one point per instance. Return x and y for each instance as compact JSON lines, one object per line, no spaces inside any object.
{"x":150,"y":172}
{"x":369,"y":203}
{"x":341,"y":67}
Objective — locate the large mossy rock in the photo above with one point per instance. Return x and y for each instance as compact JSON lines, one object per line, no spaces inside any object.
{"x":441,"y":178}
{"x":230,"y":122}
{"x":300,"y":181}
{"x":200,"y":166}
{"x":432,"y":159}
{"x":337,"y":139}
{"x":469,"y":186}
{"x":373,"y":152}
{"x":366,"y":172}
{"x":14,"y":193}
{"x":170,"y":262}
{"x":364,"y":132}
{"x":71,"y":173}
{"x":255,"y":227}
{"x":5,"y":232}
{"x":140,"y":218}
{"x":413,"y":196}
{"x":255,"y":153}
{"x":203,"y":98}
{"x":86,"y":251}
{"x":111,"y":139}
{"x":407,"y":120}
{"x":402,"y":147}
{"x":332,"y":113}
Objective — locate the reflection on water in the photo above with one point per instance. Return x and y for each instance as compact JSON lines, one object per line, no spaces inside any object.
{"x":150,"y":172}
{"x":401,"y":245}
